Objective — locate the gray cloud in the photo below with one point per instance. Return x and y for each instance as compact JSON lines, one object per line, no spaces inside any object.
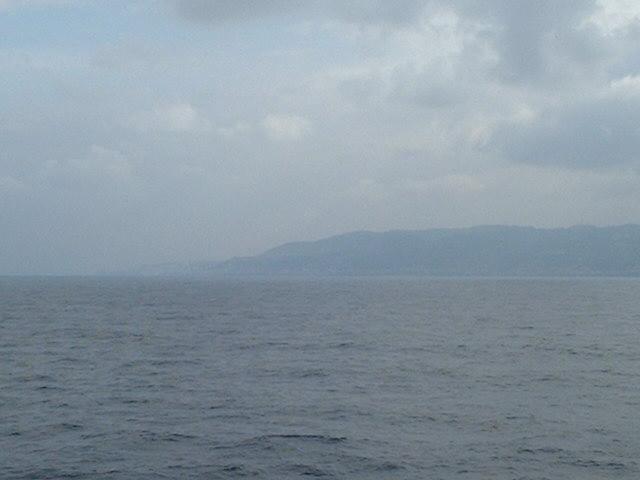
{"x":596,"y":133}
{"x":229,"y":10}
{"x":284,"y":120}
{"x":535,"y":39}
{"x":357,"y":11}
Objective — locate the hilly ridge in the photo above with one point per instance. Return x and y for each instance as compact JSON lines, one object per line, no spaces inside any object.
{"x":475,"y":251}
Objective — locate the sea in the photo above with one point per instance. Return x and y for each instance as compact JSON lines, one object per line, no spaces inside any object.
{"x":355,"y":378}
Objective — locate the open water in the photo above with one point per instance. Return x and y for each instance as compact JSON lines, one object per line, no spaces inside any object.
{"x":105,"y":378}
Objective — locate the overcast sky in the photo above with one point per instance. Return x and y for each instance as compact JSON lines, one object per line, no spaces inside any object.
{"x":150,"y":131}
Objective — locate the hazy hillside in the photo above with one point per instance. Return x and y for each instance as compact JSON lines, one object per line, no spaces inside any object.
{"x":487,"y":250}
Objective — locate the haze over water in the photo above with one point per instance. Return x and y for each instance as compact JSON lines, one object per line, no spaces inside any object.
{"x":105,"y":378}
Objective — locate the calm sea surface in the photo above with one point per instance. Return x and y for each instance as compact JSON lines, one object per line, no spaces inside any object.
{"x":353,"y":379}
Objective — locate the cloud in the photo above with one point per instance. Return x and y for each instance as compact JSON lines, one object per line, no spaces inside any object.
{"x":14,"y":4}
{"x":628,"y":85}
{"x":179,"y":117}
{"x":453,"y":184}
{"x":534,"y":40}
{"x":410,"y":114}
{"x":99,"y":169}
{"x":235,"y":130}
{"x":228,"y":10}
{"x":286,"y":128}
{"x":356,"y":11}
{"x":9,"y":184}
{"x":611,"y":16}
{"x":597,"y":132}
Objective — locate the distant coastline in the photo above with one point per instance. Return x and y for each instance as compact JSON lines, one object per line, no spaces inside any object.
{"x":481,"y":251}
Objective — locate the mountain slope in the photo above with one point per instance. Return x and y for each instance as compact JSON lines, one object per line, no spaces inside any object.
{"x":484,"y":251}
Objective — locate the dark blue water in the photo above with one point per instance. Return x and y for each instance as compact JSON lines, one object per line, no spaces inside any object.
{"x":355,"y":379}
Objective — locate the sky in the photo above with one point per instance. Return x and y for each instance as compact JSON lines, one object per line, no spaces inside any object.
{"x":150,"y":131}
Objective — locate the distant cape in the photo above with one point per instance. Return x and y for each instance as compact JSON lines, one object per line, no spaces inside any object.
{"x":477,"y":251}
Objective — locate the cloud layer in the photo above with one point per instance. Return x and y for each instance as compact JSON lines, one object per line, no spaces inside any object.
{"x":206,"y":129}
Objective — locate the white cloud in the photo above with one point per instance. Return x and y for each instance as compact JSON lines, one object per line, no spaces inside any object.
{"x":615,"y":15}
{"x":234,"y":130}
{"x":106,"y":161}
{"x":99,"y":168}
{"x":9,"y":184}
{"x":286,"y":128}
{"x":628,"y":85}
{"x":178,"y":117}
